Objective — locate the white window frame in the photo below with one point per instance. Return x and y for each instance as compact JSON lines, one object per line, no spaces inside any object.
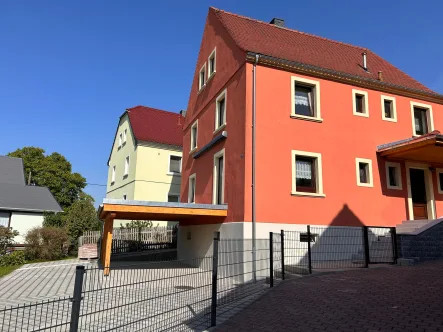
{"x":212,"y":55}
{"x":370,"y":173}
{"x":219,"y":154}
{"x":169,"y":164}
{"x":125,"y":197}
{"x":172,"y":194}
{"x":192,"y":177}
{"x":318,"y":173}
{"x":194,"y":140}
{"x":127,"y":160}
{"x":430,"y":204}
{"x":429,"y":116}
{"x":223,"y":95}
{"x":201,"y":84}
{"x":315,"y":85}
{"x":439,"y":171}
{"x":113,"y":172}
{"x":393,"y":108}
{"x":356,"y":92}
{"x":124,"y":136}
{"x":398,"y":172}
{"x":120,"y":140}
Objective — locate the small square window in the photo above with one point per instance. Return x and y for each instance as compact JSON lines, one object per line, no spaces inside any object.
{"x":306,"y":174}
{"x":124,"y":197}
{"x":211,"y":63}
{"x":360,"y":103}
{"x":175,"y":164}
{"x":220,"y":110}
{"x":202,"y":77}
{"x":364,"y":172}
{"x":439,"y":173}
{"x":194,"y":133}
{"x":393,"y":176}
{"x":422,"y":120}
{"x":305,"y":99}
{"x":173,"y":198}
{"x":388,"y":107}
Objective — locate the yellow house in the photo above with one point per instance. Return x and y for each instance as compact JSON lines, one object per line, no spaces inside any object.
{"x":146,"y":157}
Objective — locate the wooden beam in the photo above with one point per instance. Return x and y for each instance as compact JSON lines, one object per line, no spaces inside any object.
{"x":153,"y":210}
{"x":107,"y":242}
{"x":405,"y":148}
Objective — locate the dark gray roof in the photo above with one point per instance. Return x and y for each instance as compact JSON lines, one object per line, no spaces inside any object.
{"x":18,"y":197}
{"x":11,"y":170}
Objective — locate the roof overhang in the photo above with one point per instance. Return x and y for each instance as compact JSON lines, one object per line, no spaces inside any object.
{"x":426,"y":149}
{"x":146,"y":210}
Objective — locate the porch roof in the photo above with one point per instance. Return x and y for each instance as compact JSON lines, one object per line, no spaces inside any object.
{"x":147,"y":210}
{"x":426,"y":148}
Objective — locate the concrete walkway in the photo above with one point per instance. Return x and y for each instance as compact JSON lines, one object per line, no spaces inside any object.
{"x":383,"y":299}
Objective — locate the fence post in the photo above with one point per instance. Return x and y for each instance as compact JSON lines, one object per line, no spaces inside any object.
{"x":394,"y":245}
{"x":271,"y":260}
{"x":309,"y":250}
{"x":77,"y":298}
{"x":366,"y":245}
{"x":214,"y":278}
{"x":282,"y":244}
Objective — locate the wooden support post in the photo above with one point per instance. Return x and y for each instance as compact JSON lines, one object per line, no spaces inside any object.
{"x":107,"y":243}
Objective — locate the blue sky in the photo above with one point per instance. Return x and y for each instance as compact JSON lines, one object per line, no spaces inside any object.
{"x":69,"y":69}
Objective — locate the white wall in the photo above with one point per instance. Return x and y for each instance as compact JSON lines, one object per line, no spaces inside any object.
{"x":23,"y":222}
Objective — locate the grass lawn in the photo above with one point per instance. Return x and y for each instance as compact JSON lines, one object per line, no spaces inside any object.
{"x":4,"y":270}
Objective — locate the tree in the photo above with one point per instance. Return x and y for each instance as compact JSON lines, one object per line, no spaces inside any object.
{"x":53,"y":171}
{"x":7,"y":235}
{"x":80,"y":217}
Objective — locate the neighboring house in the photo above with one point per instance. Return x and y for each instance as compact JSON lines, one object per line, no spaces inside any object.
{"x":146,"y":156}
{"x":22,"y":206}
{"x":324,"y":111}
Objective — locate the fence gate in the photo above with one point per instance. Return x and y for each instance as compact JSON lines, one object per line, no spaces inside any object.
{"x":381,"y":242}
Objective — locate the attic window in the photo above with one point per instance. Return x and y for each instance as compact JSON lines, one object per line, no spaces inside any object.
{"x":211,"y":64}
{"x":202,"y":77}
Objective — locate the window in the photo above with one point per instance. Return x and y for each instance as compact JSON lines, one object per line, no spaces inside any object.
{"x":4,"y":219}
{"x":439,"y":173}
{"x":191,"y":189}
{"x":113,"y":175}
{"x":124,"y":197}
{"x":202,"y":77}
{"x":305,"y":99}
{"x":211,"y":64}
{"x":174,"y":198}
{"x":364,"y":172}
{"x":220,"y":111}
{"x":120,"y":138}
{"x":388,"y":109}
{"x":307,"y":174}
{"x":124,"y":136}
{"x":126,"y":166}
{"x":175,"y":164}
{"x":194,"y":133}
{"x":422,"y":119}
{"x":360,"y":103}
{"x":219,"y":175}
{"x":393,"y":176}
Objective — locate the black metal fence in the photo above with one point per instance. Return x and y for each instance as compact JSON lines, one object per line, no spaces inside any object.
{"x":179,"y":295}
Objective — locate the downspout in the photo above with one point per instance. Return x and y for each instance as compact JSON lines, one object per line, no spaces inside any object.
{"x":254,"y":253}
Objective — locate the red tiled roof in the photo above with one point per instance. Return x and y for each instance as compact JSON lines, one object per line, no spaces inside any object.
{"x":154,"y":125}
{"x":267,"y":39}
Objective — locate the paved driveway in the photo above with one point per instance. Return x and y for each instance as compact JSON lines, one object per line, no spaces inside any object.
{"x":379,"y":299}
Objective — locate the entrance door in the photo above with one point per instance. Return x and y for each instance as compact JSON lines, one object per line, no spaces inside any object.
{"x":418,"y":191}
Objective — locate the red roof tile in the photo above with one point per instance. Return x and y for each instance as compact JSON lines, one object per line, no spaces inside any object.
{"x":267,"y":39}
{"x":154,"y":125}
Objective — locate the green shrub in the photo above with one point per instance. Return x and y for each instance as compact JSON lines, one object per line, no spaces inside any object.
{"x":46,"y":243}
{"x":14,"y":258}
{"x":7,"y":235}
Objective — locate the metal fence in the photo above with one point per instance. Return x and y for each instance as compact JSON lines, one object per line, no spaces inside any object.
{"x":190,"y":295}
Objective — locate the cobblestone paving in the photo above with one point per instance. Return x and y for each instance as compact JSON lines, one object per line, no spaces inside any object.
{"x":406,"y":298}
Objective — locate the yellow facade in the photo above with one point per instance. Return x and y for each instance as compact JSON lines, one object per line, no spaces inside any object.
{"x":148,"y":177}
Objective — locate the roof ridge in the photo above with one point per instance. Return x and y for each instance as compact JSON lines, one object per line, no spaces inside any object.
{"x":292,"y":30}
{"x":152,"y":109}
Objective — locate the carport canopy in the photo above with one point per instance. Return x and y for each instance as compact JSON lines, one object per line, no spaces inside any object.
{"x":112,"y":209}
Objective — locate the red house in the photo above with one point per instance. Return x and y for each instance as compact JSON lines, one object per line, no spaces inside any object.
{"x":288,"y":129}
